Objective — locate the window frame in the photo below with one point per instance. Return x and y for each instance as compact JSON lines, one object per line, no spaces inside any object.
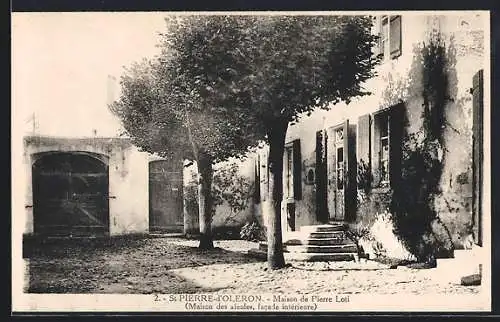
{"x":384,"y":32}
{"x":385,"y":179}
{"x":379,"y":118}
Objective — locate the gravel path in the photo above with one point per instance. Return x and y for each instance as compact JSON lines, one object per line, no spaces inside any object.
{"x":175,"y":265}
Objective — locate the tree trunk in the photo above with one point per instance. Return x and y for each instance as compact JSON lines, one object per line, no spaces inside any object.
{"x":205,"y":204}
{"x":275,"y":258}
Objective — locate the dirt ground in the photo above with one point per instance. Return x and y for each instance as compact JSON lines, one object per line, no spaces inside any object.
{"x":176,"y":265}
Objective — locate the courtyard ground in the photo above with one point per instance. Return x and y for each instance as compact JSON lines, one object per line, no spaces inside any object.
{"x":176,"y":265}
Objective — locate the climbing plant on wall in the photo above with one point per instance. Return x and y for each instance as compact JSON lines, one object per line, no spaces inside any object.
{"x":416,"y":220}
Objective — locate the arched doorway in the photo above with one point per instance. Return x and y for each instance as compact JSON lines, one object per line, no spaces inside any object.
{"x":70,"y":194}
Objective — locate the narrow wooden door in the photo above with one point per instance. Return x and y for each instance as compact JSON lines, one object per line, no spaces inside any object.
{"x":165,"y":196}
{"x":341,"y":169}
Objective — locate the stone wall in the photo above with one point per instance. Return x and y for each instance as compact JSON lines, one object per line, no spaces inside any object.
{"x":128,"y":178}
{"x":233,"y":186}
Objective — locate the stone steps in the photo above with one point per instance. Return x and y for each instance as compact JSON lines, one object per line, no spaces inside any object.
{"x":348,"y":248}
{"x":328,"y":234}
{"x":308,"y":257}
{"x":322,"y":228}
{"x":326,"y":257}
{"x":314,"y":243}
{"x":321,"y":242}
{"x":345,"y":248}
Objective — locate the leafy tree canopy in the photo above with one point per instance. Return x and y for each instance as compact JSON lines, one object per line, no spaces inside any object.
{"x":229,"y":79}
{"x":269,"y":68}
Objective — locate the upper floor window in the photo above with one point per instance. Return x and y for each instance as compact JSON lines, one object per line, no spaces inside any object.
{"x":390,"y":37}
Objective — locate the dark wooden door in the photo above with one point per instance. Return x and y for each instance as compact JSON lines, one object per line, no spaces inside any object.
{"x":70,"y":194}
{"x":321,"y":178}
{"x":165,"y":196}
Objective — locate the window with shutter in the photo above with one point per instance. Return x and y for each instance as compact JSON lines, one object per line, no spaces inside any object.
{"x":384,"y":36}
{"x":395,"y":36}
{"x":389,"y":45}
{"x":376,"y":147}
{"x":386,"y":143}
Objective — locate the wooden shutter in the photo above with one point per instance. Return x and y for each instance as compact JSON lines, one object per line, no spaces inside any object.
{"x":363,"y":142}
{"x":397,"y":120}
{"x":350,"y":188}
{"x":477,"y":154}
{"x":286,"y":174}
{"x":297,"y":170}
{"x":395,"y":36}
{"x":321,"y":178}
{"x":257,"y":180}
{"x":377,"y":49}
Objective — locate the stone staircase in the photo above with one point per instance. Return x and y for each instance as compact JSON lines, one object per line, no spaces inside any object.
{"x":314,"y":243}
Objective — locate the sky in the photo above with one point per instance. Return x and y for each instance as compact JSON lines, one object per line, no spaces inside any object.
{"x":61,"y":63}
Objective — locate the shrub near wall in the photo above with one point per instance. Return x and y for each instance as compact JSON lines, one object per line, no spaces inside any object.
{"x":232,"y":192}
{"x":373,"y":230}
{"x":417,"y":221}
{"x":416,"y":205}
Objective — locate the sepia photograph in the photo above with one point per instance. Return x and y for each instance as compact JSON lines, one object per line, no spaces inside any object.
{"x":330,"y":161}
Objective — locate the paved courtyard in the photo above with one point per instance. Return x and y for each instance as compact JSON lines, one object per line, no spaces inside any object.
{"x":175,"y":265}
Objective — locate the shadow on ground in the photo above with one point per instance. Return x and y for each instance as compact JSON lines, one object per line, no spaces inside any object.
{"x":118,"y":265}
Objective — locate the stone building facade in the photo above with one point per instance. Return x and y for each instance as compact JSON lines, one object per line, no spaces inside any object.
{"x":341,"y":165}
{"x":84,"y":187}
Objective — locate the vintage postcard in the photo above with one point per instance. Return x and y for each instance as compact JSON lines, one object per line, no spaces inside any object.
{"x":251,"y":161}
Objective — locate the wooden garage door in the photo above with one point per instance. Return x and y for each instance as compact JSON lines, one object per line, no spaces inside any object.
{"x":165,"y":197}
{"x":70,"y":194}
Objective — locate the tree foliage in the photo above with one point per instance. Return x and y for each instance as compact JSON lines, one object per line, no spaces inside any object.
{"x":270,"y":70}
{"x":272,"y":67}
{"x":161,"y":118}
{"x":246,"y":78}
